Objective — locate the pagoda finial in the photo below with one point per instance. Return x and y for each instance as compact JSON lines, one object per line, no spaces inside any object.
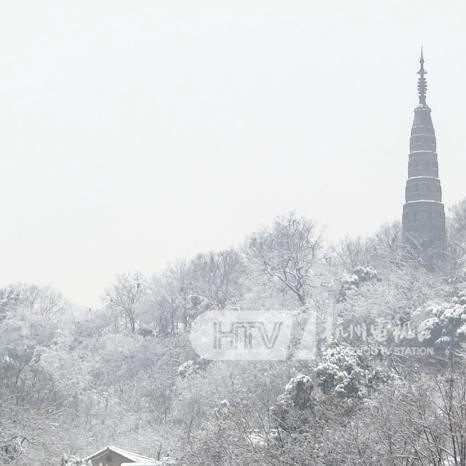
{"x":422,"y":82}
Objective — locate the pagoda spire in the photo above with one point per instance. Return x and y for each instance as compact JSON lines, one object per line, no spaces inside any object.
{"x":422,"y":82}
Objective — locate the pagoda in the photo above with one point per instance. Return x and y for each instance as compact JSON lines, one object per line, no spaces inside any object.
{"x":423,"y":213}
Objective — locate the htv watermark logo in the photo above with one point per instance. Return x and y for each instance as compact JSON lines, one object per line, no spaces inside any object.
{"x":241,"y":335}
{"x":253,"y":335}
{"x":282,"y":335}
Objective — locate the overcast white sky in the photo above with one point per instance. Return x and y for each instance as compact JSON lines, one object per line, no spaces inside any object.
{"x":137,"y":133}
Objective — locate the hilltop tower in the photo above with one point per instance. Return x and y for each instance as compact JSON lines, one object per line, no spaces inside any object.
{"x":423,"y":212}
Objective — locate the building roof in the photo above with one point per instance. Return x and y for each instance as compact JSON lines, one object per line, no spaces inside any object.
{"x":139,"y":464}
{"x":132,"y":457}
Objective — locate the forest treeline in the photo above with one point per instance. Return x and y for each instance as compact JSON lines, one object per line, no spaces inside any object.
{"x":74,"y":380}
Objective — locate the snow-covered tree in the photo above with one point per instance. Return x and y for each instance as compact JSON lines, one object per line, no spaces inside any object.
{"x":123,"y":298}
{"x":346,"y":374}
{"x":286,"y":253}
